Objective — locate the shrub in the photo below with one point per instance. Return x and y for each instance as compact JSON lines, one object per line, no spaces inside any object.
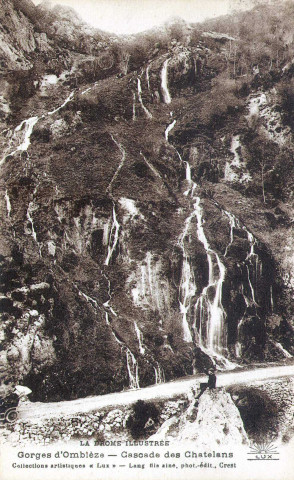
{"x":142,"y":412}
{"x":258,"y":411}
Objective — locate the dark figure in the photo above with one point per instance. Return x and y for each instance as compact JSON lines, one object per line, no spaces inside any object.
{"x":211,"y":379}
{"x":210,"y":384}
{"x":11,"y":400}
{"x":8,"y":404}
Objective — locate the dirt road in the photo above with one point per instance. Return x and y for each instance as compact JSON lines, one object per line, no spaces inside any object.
{"x":41,"y":411}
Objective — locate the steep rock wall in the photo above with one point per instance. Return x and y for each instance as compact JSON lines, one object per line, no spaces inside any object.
{"x":120,"y":197}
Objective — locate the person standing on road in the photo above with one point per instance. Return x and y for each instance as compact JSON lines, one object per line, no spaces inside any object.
{"x":211,"y":379}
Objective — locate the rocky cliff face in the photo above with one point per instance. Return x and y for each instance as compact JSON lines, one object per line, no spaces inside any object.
{"x":211,"y":421}
{"x":145,"y":234}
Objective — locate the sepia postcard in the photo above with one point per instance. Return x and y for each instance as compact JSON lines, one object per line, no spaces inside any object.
{"x":146,"y":243}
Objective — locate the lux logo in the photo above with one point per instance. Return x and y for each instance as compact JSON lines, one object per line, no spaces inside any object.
{"x":263,"y":451}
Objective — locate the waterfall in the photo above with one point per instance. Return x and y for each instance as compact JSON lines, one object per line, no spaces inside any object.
{"x":106,"y":305}
{"x":134,"y":107}
{"x":188,"y":173}
{"x":68,"y":99}
{"x":252,"y":265}
{"x":149,"y":269}
{"x":234,"y":147}
{"x":212,"y":316}
{"x":106,"y":233}
{"x":208,"y":321}
{"x":283,"y":350}
{"x":164,"y":83}
{"x":187,"y":284}
{"x":28,"y":130}
{"x":148,"y":114}
{"x":147,"y":77}
{"x":86,"y":91}
{"x":148,"y":289}
{"x":8,"y":203}
{"x":209,"y":325}
{"x":88,"y":299}
{"x":250,"y":285}
{"x":192,"y":185}
{"x":272,"y":298}
{"x":132,"y":365}
{"x":152,"y":168}
{"x":113,"y":237}
{"x":251,"y":269}
{"x":140,"y":338}
{"x":30,"y":210}
{"x":234,"y":223}
{"x":28,"y":127}
{"x":123,"y":157}
{"x":168,"y":129}
{"x":159,"y":374}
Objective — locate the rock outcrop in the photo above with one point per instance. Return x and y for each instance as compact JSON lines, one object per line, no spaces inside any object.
{"x":211,"y":421}
{"x":218,"y":422}
{"x":146,"y":207}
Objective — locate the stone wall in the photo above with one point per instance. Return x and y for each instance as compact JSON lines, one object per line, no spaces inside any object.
{"x":281,"y":391}
{"x":107,"y":424}
{"x":103,"y":425}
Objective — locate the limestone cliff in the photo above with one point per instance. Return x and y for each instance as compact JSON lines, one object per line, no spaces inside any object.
{"x":146,"y":203}
{"x":211,"y":421}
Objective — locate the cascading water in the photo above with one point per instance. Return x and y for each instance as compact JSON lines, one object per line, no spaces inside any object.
{"x":252,"y":264}
{"x":26,"y":129}
{"x":158,"y":372}
{"x":88,"y":299}
{"x":32,"y":207}
{"x":192,"y":185}
{"x":168,"y":129}
{"x":209,"y":311}
{"x":234,"y":223}
{"x":251,"y":273}
{"x":272,"y":298}
{"x":68,"y":99}
{"x":123,"y":157}
{"x":208,"y":319}
{"x":30,"y":210}
{"x":27,"y":126}
{"x":164,"y":82}
{"x":152,"y":168}
{"x":113,"y":237}
{"x":134,"y":107}
{"x":132,"y":365}
{"x":187,"y":283}
{"x":140,"y":339}
{"x":8,"y":203}
{"x":147,"y":77}
{"x":148,"y":114}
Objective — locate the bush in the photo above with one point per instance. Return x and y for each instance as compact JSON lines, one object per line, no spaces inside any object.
{"x":223,"y":99}
{"x":258,"y":411}
{"x":142,"y":413}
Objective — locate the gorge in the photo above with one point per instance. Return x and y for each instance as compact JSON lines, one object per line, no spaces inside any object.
{"x":146,"y":200}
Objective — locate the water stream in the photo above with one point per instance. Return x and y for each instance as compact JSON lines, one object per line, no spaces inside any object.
{"x":164,"y":82}
{"x":148,"y":114}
